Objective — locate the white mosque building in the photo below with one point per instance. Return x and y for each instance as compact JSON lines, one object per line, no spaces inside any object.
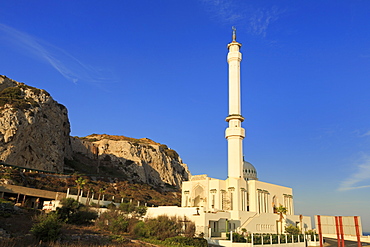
{"x":241,"y":201}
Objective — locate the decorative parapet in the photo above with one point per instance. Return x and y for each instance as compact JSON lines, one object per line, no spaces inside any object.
{"x":199,"y":177}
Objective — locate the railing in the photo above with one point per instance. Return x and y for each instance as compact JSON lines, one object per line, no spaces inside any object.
{"x":269,"y":239}
{"x":277,"y":240}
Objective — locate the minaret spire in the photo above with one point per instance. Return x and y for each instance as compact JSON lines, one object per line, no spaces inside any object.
{"x":234,"y":133}
{"x":234,"y":33}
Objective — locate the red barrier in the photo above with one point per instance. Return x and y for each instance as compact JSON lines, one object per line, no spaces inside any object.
{"x":337,"y":230}
{"x":341,"y":230}
{"x":357,"y":232}
{"x":320,"y":232}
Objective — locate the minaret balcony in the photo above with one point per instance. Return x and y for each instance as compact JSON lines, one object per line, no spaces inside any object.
{"x":234,"y":117}
{"x":235,"y":131}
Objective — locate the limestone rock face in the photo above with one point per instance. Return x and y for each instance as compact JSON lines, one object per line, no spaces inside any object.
{"x":34,"y":128}
{"x":34,"y":133}
{"x":143,"y":160}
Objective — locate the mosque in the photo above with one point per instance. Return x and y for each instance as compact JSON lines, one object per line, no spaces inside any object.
{"x":241,"y":201}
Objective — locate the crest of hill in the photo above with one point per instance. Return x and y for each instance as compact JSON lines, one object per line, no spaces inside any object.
{"x":99,"y":137}
{"x":19,"y":95}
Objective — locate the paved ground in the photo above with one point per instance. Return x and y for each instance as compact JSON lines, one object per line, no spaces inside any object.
{"x":330,"y":242}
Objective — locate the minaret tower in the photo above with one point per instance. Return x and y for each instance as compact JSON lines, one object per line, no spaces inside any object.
{"x":234,"y":133}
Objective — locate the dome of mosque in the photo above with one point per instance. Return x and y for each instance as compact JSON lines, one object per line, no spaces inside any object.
{"x":249,"y":172}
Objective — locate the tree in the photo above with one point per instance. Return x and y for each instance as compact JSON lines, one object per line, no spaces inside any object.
{"x":281,"y":211}
{"x":48,"y":227}
{"x":89,"y":190}
{"x":80,"y":184}
{"x":101,"y":192}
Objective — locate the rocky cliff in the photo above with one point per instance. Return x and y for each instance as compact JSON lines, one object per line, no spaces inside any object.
{"x":34,"y":133}
{"x":34,"y":128}
{"x":141,"y":160}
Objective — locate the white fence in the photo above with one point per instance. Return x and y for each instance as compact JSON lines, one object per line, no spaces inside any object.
{"x":269,"y":240}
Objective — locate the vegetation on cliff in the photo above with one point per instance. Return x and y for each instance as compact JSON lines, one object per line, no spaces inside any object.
{"x":98,"y":137}
{"x":120,"y":190}
{"x":16,"y":96}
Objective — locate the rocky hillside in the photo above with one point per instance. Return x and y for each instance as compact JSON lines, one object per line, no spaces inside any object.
{"x":34,"y":128}
{"x":34,"y":133}
{"x":139,"y":160}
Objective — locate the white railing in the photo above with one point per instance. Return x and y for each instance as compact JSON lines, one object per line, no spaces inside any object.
{"x":274,"y":240}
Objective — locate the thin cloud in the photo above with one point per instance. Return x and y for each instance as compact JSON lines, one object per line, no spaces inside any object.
{"x":360,"y":179}
{"x":66,"y":64}
{"x":261,"y":20}
{"x":255,"y":20}
{"x":366,"y":134}
{"x":224,"y":10}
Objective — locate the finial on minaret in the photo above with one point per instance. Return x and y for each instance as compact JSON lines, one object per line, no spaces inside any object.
{"x":234,"y":33}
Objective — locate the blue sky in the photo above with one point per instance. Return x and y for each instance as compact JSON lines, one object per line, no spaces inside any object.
{"x":157,"y":69}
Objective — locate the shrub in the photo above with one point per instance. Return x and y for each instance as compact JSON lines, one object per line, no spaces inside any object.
{"x":237,"y":238}
{"x":283,"y":238}
{"x":141,"y":210}
{"x":130,"y":208}
{"x":6,"y":208}
{"x":189,"y":229}
{"x":48,"y":228}
{"x":82,"y":217}
{"x":293,"y":230}
{"x":120,"y":224}
{"x":114,"y":222}
{"x":127,"y":207}
{"x":73,"y":212}
{"x":141,"y":230}
{"x":164,"y":227}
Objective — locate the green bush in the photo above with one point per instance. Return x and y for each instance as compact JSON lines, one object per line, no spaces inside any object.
{"x":257,"y":239}
{"x":283,"y":238}
{"x":6,"y":208}
{"x":82,"y":217}
{"x":266,"y":239}
{"x":130,"y":208}
{"x":293,"y":230}
{"x":141,"y":230}
{"x":127,"y":207}
{"x":275,"y":238}
{"x":160,"y":228}
{"x":73,"y":212}
{"x":164,"y":227}
{"x":114,"y":221}
{"x":48,"y":228}
{"x":237,"y":238}
{"x":120,"y":224}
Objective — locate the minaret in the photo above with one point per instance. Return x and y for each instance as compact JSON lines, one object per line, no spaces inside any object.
{"x":234,"y":133}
